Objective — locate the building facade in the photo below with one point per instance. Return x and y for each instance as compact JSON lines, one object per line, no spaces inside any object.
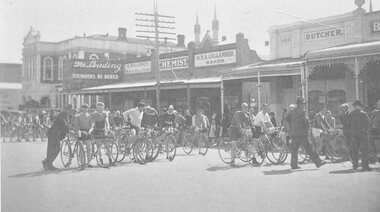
{"x":43,"y":62}
{"x":11,"y":86}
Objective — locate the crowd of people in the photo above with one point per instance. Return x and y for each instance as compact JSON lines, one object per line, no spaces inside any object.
{"x":360,"y":129}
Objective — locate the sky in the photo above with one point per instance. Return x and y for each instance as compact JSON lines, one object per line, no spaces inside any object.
{"x":63,"y":19}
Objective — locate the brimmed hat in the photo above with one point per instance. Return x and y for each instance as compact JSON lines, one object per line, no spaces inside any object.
{"x":357,"y":102}
{"x":171,"y":107}
{"x":85,"y":105}
{"x":141,"y":104}
{"x":198,"y":108}
{"x":300,"y":100}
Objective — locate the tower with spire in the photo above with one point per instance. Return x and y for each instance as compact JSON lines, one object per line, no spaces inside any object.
{"x":215,"y":28}
{"x":197,"y":31}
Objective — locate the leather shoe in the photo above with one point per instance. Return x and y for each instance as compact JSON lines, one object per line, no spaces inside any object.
{"x":367,"y":169}
{"x":321,"y":164}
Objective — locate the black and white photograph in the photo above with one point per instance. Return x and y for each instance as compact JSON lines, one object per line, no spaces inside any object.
{"x":190,"y":105}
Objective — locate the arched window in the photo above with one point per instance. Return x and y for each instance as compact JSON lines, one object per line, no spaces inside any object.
{"x":60,"y":68}
{"x":94,"y":57}
{"x":74,"y":102}
{"x":48,"y":68}
{"x":32,"y":75}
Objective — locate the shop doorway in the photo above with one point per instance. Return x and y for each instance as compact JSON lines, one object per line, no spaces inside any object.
{"x":371,"y":84}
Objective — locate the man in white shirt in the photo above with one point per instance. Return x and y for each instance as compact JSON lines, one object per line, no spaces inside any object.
{"x":262,"y":120}
{"x":134,"y":116}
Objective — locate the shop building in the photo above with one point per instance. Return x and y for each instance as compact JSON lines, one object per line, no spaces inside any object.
{"x":332,"y":60}
{"x":43,"y":62}
{"x":11,"y":87}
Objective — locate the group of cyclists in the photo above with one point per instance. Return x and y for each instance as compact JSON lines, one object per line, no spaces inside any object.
{"x":92,"y":127}
{"x":17,"y":126}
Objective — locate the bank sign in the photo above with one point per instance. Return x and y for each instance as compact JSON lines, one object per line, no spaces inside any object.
{"x":164,"y":64}
{"x":84,"y":73}
{"x":323,"y":34}
{"x":215,"y":58}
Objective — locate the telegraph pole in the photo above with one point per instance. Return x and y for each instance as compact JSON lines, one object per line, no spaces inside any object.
{"x":145,"y":21}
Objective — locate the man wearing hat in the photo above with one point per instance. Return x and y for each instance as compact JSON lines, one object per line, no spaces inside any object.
{"x":299,"y":131}
{"x":358,"y":127}
{"x":55,"y":134}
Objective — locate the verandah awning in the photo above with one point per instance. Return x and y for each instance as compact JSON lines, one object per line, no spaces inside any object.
{"x":271,"y":68}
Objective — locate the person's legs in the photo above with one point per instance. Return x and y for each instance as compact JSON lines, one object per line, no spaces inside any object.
{"x":310,"y":151}
{"x":294,"y":152}
{"x":363,"y":146}
{"x":52,"y":150}
{"x":355,"y":151}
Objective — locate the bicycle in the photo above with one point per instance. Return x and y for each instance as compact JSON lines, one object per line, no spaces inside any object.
{"x":335,"y":145}
{"x":195,"y":138}
{"x":275,"y":148}
{"x":124,"y":139}
{"x":163,"y":140}
{"x":70,"y":147}
{"x":247,"y":148}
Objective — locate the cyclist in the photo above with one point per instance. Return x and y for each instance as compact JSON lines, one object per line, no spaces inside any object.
{"x":180,"y":124}
{"x":134,"y":116}
{"x":188,"y":117}
{"x":262,"y":121}
{"x":168,"y":117}
{"x":149,"y":117}
{"x":330,"y":120}
{"x":100,"y":127}
{"x":200,"y":124}
{"x":319,"y":128}
{"x":235,"y":132}
{"x":118,"y":119}
{"x":82,"y":125}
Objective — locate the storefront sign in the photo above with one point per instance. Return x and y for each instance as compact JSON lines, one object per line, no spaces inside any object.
{"x":173,"y":63}
{"x":164,"y":64}
{"x":84,"y":73}
{"x":139,"y":67}
{"x":215,"y":58}
{"x":376,"y":26}
{"x":323,"y":35}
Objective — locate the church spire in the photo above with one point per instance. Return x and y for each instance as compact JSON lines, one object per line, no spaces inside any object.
{"x":197,"y":30}
{"x":370,"y":6}
{"x":215,"y":28}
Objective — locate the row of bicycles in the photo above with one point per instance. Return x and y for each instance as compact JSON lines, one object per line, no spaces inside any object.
{"x":23,"y":132}
{"x":275,"y":147}
{"x":118,"y":145}
{"x":123,"y":144}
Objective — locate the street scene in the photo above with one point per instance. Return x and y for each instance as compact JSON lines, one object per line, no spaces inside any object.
{"x":160,"y":105}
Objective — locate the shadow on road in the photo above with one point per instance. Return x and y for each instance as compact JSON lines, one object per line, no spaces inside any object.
{"x":350,"y":171}
{"x":286,"y":171}
{"x":42,"y":173}
{"x":228,"y":167}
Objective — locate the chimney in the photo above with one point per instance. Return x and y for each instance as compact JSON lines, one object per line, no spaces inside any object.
{"x":122,"y":33}
{"x":181,"y":40}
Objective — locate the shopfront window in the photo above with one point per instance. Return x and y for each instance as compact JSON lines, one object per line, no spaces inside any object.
{"x":48,"y":69}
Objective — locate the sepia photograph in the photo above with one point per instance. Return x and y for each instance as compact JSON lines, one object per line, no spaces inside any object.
{"x":190,"y":105}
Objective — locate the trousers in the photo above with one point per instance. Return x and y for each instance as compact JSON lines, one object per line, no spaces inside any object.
{"x":359,"y":143}
{"x":53,"y":148}
{"x":295,"y":144}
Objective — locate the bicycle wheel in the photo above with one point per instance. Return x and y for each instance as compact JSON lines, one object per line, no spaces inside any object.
{"x":188,"y":144}
{"x":172,"y":147}
{"x":122,"y":147}
{"x":246,"y":153}
{"x":66,"y":153}
{"x":143,"y":151}
{"x":203,"y":146}
{"x":80,"y":154}
{"x":156,"y":149}
{"x":106,"y":153}
{"x":258,"y":151}
{"x":302,"y":156}
{"x":224,"y":150}
{"x":276,"y":150}
{"x":336,"y":149}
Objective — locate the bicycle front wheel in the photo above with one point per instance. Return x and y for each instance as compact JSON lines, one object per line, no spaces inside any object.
{"x":224,"y":150}
{"x":203,"y":145}
{"x":171,"y":147}
{"x":106,"y":154}
{"x":336,"y":149}
{"x":188,"y":144}
{"x":276,"y":151}
{"x":258,"y":149}
{"x":80,"y":154}
{"x":66,"y":153}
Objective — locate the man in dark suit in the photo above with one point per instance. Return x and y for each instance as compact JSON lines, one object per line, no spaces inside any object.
{"x":55,"y":134}
{"x":299,"y":127}
{"x":358,"y":127}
